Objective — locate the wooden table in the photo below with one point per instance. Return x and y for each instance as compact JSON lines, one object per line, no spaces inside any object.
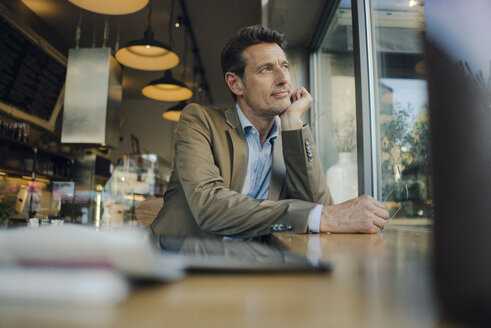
{"x":380,"y":280}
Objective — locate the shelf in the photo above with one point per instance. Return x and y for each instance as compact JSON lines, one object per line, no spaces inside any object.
{"x":42,"y":160}
{"x":18,"y":173}
{"x":40,"y":151}
{"x":23,"y":173}
{"x":15,"y":142}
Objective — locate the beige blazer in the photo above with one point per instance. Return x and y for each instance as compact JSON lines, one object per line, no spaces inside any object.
{"x":210,"y":163}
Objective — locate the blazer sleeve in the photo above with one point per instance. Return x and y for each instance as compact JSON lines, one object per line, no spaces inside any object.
{"x":216,"y":208}
{"x":305,"y":177}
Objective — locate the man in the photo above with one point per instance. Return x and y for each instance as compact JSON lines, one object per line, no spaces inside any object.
{"x":254,"y":169}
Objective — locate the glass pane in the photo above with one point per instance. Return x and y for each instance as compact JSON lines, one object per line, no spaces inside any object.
{"x":401,"y":101}
{"x":135,"y":179}
{"x":335,"y":108}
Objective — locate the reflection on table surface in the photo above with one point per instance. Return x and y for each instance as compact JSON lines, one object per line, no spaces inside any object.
{"x":259,"y":255}
{"x":380,"y":280}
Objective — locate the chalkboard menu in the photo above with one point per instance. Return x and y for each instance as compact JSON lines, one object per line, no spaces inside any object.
{"x":30,"y":79}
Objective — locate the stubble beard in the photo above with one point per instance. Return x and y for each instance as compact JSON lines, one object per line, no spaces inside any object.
{"x":270,"y":111}
{"x":274,"y":111}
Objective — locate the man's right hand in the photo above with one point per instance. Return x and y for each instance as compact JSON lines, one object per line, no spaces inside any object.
{"x":363,"y":214}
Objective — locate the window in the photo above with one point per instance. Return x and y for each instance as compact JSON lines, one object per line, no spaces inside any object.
{"x":335,"y":107}
{"x":401,"y":106}
{"x":398,"y":150}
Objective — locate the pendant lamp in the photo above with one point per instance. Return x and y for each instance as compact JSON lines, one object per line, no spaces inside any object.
{"x":167,"y":88}
{"x":174,"y":112}
{"x":147,"y":54}
{"x":111,"y":7}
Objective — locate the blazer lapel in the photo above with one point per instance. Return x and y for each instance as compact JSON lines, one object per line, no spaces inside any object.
{"x":238,"y":150}
{"x":278,"y":170}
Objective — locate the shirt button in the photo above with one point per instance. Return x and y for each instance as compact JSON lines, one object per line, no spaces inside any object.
{"x":253,"y":131}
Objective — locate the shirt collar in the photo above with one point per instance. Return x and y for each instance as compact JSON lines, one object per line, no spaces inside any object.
{"x":247,"y":126}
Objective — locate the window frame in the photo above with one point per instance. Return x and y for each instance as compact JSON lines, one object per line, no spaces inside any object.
{"x":368,"y":131}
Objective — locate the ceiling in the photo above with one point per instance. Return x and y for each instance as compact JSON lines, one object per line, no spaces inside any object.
{"x":226,"y":16}
{"x":212,"y":23}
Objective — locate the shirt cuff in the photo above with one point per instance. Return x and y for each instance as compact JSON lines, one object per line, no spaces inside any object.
{"x":314,"y":221}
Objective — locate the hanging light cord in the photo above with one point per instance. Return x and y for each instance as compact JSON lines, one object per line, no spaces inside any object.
{"x":195,"y":72}
{"x":106,"y":33}
{"x":171,"y":39}
{"x":189,"y":28}
{"x":149,"y":27}
{"x":118,"y":35}
{"x":185,"y":56}
{"x":78,"y":31}
{"x":93,"y":35}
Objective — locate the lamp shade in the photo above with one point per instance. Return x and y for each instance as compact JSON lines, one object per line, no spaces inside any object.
{"x":147,"y":54}
{"x":172,"y":115}
{"x":174,"y":112}
{"x":111,"y":7}
{"x":167,"y":88}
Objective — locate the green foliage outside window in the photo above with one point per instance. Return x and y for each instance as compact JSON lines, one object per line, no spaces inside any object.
{"x":405,"y":143}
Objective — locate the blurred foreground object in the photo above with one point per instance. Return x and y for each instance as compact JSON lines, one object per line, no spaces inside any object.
{"x":458,"y":66}
{"x":78,"y":264}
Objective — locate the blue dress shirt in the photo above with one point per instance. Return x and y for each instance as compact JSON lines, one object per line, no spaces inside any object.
{"x":259,"y":160}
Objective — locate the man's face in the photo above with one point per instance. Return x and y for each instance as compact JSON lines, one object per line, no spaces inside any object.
{"x":266,"y":81}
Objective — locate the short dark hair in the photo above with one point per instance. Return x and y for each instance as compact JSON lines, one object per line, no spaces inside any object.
{"x":231,"y":58}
